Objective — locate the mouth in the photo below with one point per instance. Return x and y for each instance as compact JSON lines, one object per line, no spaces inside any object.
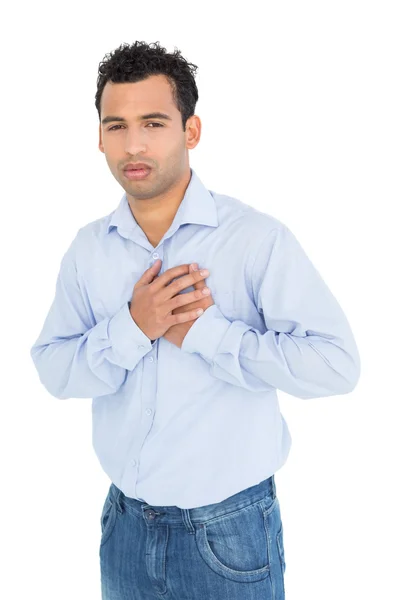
{"x":136,"y":174}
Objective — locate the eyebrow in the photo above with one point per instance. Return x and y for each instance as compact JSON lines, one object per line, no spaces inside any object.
{"x":153,"y":115}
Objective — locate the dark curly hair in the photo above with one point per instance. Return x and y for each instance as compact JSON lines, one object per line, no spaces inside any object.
{"x":138,"y":61}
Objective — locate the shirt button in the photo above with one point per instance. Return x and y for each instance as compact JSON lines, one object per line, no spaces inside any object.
{"x":156,"y":255}
{"x":134,"y":463}
{"x":151,"y":359}
{"x":149,"y":411}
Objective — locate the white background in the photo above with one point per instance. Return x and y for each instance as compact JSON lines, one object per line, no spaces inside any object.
{"x":299,"y":103}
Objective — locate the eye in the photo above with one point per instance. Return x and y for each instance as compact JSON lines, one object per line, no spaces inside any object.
{"x":116,"y":126}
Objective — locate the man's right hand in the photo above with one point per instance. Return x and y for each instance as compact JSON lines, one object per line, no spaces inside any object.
{"x":154,"y":298}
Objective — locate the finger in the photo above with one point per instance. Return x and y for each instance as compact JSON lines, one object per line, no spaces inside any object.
{"x":168,"y":276}
{"x":149,"y":274}
{"x":198,"y":285}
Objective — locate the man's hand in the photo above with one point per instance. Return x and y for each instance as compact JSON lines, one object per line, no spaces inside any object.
{"x":176,"y":333}
{"x":155,"y":297}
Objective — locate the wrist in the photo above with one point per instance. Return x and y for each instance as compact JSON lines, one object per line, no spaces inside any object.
{"x":129,"y":306}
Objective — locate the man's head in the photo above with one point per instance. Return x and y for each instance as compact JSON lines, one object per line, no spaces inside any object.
{"x":136,"y":81}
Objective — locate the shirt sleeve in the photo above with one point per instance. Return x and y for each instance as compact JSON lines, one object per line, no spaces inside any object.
{"x":308,"y":349}
{"x":76,"y":358}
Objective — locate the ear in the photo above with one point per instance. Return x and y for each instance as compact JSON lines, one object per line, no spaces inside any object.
{"x":101,"y":147}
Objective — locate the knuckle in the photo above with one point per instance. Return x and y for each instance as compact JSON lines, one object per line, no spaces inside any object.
{"x":177,"y":301}
{"x":175,"y":285}
{"x":180,"y":284}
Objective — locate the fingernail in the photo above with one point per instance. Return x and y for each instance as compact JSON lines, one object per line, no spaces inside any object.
{"x":195,"y":267}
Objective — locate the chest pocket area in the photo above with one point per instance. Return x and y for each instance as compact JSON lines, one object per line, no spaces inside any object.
{"x":227,"y":303}
{"x":237,"y":306}
{"x":108,"y":290}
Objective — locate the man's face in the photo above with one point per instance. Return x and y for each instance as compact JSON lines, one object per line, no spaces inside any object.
{"x":157,"y":142}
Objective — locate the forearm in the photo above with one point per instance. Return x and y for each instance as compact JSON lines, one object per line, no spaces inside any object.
{"x":307,"y":366}
{"x":93,"y":364}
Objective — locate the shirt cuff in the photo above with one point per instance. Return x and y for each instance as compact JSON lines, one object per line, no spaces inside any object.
{"x":206,"y":333}
{"x":128,"y":341}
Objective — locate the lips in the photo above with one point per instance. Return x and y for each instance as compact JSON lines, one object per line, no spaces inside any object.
{"x":136,"y":167}
{"x":137,"y":174}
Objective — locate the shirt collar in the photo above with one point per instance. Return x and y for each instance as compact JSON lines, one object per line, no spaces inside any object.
{"x":197,"y":206}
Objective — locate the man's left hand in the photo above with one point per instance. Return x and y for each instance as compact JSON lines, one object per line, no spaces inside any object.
{"x":177,"y":333}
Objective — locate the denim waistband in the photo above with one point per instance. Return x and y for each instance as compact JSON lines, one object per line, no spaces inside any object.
{"x":175,"y":514}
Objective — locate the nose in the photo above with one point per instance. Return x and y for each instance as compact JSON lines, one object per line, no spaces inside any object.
{"x":134,"y":142}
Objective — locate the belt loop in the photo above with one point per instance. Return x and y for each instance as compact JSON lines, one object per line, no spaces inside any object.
{"x":187,"y":520}
{"x":273,"y":486}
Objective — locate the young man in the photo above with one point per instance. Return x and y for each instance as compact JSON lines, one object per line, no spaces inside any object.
{"x":186,"y":419}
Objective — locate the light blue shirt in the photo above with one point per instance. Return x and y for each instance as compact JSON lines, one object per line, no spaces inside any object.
{"x":194,"y":425}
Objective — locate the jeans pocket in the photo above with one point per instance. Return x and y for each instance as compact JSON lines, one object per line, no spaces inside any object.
{"x":108,"y":518}
{"x":236,"y":545}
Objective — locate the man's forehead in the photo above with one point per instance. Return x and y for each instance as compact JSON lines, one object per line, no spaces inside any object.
{"x":146,"y":86}
{"x":137,"y":98}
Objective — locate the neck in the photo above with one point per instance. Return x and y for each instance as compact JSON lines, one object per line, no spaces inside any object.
{"x":155,"y":215}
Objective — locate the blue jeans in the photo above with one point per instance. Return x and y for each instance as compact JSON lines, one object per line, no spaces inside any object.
{"x":231,"y":550}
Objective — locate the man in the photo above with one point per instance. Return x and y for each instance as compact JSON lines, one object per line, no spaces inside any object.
{"x":186,"y":420}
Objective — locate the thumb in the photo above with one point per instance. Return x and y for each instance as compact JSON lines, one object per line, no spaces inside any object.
{"x":149,"y":274}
